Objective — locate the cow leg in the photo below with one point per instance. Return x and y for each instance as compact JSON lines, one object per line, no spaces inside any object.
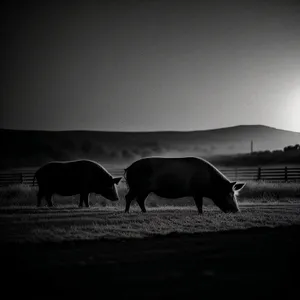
{"x":129,"y":197}
{"x":39,"y":199}
{"x":49,"y":200}
{"x":80,"y":201}
{"x":86,"y":200}
{"x":141,"y":202}
{"x":199,"y":203}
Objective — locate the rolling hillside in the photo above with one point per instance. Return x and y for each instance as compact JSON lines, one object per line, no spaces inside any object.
{"x":31,"y":148}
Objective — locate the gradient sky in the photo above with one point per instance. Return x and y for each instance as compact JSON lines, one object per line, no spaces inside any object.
{"x":150,"y":65}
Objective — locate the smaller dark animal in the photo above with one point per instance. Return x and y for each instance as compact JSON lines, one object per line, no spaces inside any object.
{"x":75,"y":177}
{"x":180,"y":177}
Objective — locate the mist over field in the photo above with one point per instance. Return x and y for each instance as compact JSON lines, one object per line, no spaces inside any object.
{"x":33,"y":148}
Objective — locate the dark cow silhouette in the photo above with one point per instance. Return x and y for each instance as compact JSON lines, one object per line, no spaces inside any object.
{"x":75,"y":177}
{"x":180,"y":177}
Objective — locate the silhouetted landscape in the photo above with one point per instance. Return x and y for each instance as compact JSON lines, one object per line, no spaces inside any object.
{"x":225,"y":146}
{"x":150,"y":149}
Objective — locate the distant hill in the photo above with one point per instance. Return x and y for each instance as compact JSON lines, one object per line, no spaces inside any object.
{"x":20,"y":148}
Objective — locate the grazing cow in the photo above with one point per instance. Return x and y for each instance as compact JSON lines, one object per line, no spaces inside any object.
{"x":75,"y":177}
{"x":180,"y":177}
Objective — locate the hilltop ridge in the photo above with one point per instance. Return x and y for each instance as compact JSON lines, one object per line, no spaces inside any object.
{"x":33,"y":147}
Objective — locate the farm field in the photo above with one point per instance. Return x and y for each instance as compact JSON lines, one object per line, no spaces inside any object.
{"x":167,"y":252}
{"x":68,"y":223}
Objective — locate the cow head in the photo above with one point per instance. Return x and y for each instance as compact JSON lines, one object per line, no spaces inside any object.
{"x":110,"y":190}
{"x":225,"y":198}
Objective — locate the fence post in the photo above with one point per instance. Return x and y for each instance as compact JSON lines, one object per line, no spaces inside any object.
{"x":21,"y":178}
{"x":259,"y":173}
{"x":236,"y":174}
{"x":285,"y":174}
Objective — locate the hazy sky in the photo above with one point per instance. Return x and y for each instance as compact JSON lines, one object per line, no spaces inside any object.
{"x":150,"y":65}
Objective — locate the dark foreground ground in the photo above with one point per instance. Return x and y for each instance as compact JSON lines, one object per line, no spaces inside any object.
{"x":241,"y":264}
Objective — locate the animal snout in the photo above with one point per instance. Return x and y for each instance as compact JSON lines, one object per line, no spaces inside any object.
{"x":234,"y":210}
{"x":116,"y":198}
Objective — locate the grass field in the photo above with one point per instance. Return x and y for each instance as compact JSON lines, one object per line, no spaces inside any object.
{"x":169,"y":252}
{"x":73,"y":224}
{"x":254,"y":192}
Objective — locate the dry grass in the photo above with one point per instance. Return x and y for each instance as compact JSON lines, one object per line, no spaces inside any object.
{"x":270,"y":191}
{"x":69,"y":223}
{"x":257,"y":192}
{"x":261,"y":203}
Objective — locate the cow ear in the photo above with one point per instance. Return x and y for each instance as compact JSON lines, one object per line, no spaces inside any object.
{"x":116,"y":180}
{"x":238,"y":186}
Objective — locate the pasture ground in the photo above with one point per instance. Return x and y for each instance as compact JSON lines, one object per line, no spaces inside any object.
{"x":167,"y":253}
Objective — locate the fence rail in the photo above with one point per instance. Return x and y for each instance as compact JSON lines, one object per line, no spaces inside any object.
{"x":283,"y":174}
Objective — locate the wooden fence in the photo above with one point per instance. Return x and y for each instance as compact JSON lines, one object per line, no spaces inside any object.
{"x":283,"y":174}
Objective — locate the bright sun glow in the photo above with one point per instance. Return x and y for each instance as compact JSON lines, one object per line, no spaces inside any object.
{"x":286,"y":114}
{"x":293,"y":102}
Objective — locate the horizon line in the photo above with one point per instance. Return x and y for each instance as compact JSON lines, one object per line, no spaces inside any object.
{"x":148,"y":131}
